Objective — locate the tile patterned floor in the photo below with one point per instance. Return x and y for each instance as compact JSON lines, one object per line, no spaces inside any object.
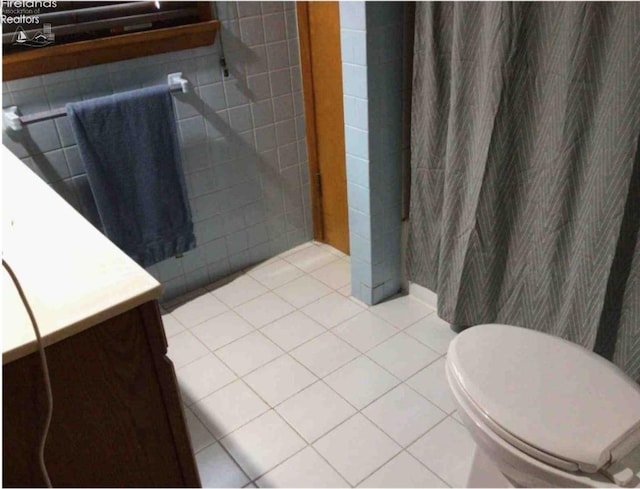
{"x":289,"y":382}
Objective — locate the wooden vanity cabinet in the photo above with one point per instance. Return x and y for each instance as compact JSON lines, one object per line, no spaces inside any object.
{"x":117,"y":421}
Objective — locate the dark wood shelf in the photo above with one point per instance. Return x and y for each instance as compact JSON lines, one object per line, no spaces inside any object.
{"x":117,"y":48}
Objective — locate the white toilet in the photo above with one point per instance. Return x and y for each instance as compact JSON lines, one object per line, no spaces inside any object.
{"x":544,"y":411}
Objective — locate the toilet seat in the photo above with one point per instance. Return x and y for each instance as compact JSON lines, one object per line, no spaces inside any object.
{"x":573,"y":411}
{"x":519,"y":468}
{"x":512,"y":440}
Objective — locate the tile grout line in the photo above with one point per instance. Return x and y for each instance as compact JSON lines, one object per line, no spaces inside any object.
{"x":342,"y":423}
{"x":291,"y":356}
{"x":328,"y":328}
{"x":366,"y":354}
{"x":255,"y":329}
{"x":284,"y":420}
{"x":258,"y":329}
{"x":404,"y":450}
{"x":420,"y":461}
{"x":357,"y":411}
{"x":253,"y":481}
{"x":311,"y":445}
{"x":317,"y":379}
{"x":360,"y":411}
{"x":241,"y":378}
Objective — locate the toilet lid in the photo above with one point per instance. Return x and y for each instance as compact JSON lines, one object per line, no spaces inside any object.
{"x":551,"y":396}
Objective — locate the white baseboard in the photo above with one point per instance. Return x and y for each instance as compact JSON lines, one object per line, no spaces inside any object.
{"x":424,"y":295}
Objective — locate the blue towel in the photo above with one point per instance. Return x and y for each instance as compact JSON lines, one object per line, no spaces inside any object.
{"x":129,"y":146}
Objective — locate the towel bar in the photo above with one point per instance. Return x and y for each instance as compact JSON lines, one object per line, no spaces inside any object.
{"x":14,"y":121}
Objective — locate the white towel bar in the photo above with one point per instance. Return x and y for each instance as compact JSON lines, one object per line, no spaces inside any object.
{"x":11,"y":119}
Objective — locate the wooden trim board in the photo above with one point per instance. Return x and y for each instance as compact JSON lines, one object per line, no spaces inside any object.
{"x":304,"y":40}
{"x":117,"y":48}
{"x":321,"y":66}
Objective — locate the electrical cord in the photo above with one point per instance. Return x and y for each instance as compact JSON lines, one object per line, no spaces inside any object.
{"x":45,"y":371}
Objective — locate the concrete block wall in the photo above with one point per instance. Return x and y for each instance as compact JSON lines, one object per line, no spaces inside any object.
{"x":242,"y":140}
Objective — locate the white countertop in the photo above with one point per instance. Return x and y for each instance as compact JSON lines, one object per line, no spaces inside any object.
{"x":72,"y":275}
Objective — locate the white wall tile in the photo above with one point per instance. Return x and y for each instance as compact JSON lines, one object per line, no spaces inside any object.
{"x":212,"y":95}
{"x":352,"y":15}
{"x":353,"y":46}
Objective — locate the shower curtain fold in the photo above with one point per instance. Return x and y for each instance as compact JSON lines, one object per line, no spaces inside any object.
{"x":524,"y":154}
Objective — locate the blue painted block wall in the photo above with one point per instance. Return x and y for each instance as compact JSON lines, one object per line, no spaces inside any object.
{"x":372,"y":36}
{"x":242,"y":140}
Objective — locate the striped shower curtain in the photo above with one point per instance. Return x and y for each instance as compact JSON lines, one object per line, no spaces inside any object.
{"x":525,"y":168}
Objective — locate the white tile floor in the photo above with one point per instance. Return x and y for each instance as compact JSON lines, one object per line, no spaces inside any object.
{"x":289,"y":382}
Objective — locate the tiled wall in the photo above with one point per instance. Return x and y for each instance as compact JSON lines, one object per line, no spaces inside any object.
{"x":242,"y":139}
{"x":372,"y":63}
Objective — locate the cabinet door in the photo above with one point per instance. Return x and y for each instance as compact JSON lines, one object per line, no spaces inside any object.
{"x":117,"y":414}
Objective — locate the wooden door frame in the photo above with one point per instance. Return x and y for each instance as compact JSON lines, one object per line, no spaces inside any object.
{"x":304,"y":36}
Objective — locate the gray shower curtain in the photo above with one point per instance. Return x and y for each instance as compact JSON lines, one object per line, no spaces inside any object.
{"x":525,"y":168}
